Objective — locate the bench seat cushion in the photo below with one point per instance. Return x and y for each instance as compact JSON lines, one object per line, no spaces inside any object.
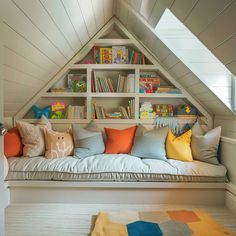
{"x":113,"y":167}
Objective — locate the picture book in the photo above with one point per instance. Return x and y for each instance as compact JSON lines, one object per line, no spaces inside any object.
{"x":58,"y":110}
{"x":119,"y":55}
{"x":149,"y":85}
{"x":105,"y":55}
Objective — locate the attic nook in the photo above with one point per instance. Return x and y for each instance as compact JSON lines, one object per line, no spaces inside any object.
{"x":115,"y":100}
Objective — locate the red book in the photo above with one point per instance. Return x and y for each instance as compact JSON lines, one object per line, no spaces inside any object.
{"x":93,"y":86}
{"x":136,"y":58}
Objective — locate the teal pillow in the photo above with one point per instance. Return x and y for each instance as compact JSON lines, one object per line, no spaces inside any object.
{"x":150,"y":144}
{"x":88,"y":141}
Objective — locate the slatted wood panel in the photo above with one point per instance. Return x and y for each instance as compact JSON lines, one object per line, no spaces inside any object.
{"x":184,"y":11}
{"x":228,"y":124}
{"x":40,"y":37}
{"x":73,"y":220}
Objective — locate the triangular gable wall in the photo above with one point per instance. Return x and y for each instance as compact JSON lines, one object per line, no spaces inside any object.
{"x":113,"y":23}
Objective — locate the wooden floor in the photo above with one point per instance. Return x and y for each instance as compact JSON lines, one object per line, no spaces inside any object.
{"x":78,"y":220}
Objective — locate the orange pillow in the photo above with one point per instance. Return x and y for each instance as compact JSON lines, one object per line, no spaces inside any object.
{"x":119,"y":141}
{"x":13,"y":146}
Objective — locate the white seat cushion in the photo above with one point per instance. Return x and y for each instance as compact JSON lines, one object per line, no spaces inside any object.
{"x":113,"y":167}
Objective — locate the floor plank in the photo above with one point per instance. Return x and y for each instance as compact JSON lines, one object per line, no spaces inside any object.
{"x":78,"y":220}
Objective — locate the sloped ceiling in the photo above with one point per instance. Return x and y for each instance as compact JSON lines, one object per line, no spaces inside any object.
{"x":41,"y":36}
{"x":210,"y":20}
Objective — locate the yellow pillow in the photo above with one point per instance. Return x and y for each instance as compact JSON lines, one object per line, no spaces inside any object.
{"x":178,"y":148}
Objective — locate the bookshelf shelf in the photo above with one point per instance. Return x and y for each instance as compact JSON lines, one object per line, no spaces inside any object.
{"x":61,"y":121}
{"x":120,"y":95}
{"x":113,"y":67}
{"x":111,"y":42}
{"x":161,"y":95}
{"x":64,"y":94}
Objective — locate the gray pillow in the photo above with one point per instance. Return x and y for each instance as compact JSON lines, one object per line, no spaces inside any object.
{"x":150,"y":144}
{"x":205,"y":146}
{"x":88,"y":141}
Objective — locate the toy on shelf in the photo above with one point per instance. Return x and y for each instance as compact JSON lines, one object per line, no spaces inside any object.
{"x":38,"y":112}
{"x":58,"y":110}
{"x":114,"y":115}
{"x":77,"y":82}
{"x":146,"y":111}
{"x":164,"y":110}
{"x":185,"y":111}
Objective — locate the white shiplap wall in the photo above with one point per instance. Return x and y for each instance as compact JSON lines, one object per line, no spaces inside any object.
{"x":200,"y":17}
{"x":40,"y":37}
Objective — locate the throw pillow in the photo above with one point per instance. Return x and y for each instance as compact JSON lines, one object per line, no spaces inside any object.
{"x":88,"y":141}
{"x":33,"y":136}
{"x":178,"y":148}
{"x":119,"y":141}
{"x":150,"y":143}
{"x":13,"y":146}
{"x":58,"y":144}
{"x":205,"y":146}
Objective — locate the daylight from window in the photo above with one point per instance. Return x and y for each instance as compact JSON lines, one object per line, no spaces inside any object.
{"x":195,"y":55}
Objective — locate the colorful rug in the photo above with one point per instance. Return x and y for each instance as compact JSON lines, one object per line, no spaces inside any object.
{"x":169,"y":223}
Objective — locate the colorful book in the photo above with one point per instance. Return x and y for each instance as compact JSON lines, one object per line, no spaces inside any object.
{"x":119,"y":55}
{"x":105,"y":55}
{"x":149,"y":85}
{"x":96,"y":55}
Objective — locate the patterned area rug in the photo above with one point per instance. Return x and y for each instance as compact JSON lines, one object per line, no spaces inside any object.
{"x":169,"y":223}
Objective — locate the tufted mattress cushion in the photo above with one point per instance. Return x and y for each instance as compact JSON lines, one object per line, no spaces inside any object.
{"x":113,"y":167}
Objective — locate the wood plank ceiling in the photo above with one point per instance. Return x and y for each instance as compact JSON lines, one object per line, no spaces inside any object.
{"x":41,"y":36}
{"x":210,"y":20}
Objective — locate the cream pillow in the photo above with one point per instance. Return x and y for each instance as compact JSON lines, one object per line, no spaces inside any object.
{"x":58,"y":144}
{"x":33,"y":136}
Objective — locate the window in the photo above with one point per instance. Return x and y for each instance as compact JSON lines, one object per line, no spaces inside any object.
{"x":196,"y":56}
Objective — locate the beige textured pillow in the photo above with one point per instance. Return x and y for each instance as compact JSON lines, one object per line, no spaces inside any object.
{"x":58,"y":144}
{"x":33,"y":136}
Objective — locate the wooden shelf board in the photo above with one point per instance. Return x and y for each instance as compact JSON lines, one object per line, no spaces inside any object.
{"x":113,"y":67}
{"x":60,"y":121}
{"x":64,"y":94}
{"x":161,"y":95}
{"x":181,"y":120}
{"x":113,"y":42}
{"x":115,"y":121}
{"x":124,"y":95}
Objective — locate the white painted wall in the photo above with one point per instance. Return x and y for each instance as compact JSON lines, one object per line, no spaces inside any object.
{"x":2,"y":190}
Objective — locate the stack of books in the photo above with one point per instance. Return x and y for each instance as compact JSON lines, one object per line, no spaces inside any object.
{"x":168,"y":90}
{"x":117,"y":55}
{"x":123,"y":113}
{"x":75,"y":112}
{"x":125,"y":84}
{"x":121,"y":84}
{"x":99,"y":112}
{"x":136,"y":58}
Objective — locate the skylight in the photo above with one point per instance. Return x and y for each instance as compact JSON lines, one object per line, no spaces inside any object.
{"x":195,"y":55}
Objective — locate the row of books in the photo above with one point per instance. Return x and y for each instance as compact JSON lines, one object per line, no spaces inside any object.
{"x":122,"y":113}
{"x":117,"y":55}
{"x":75,"y":112}
{"x":122,"y":84}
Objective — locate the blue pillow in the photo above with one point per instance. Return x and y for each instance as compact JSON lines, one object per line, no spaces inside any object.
{"x":38,"y":112}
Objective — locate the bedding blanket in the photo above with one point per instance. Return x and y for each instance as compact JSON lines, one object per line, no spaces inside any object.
{"x":113,"y":167}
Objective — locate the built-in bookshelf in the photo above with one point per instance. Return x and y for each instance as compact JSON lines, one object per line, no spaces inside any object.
{"x":111,"y":92}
